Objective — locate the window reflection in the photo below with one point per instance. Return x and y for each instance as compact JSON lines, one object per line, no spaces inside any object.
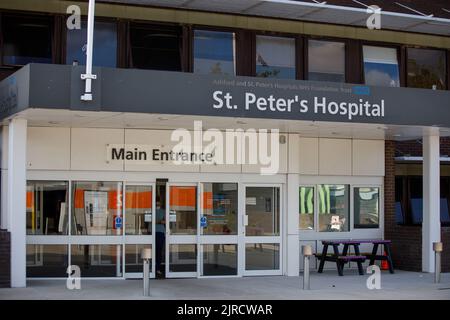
{"x":275,"y":57}
{"x":333,"y":202}
{"x":262,"y":256}
{"x":381,"y":66}
{"x":26,"y":40}
{"x":46,"y":208}
{"x":262,"y":206}
{"x":183,"y":210}
{"x":219,"y":259}
{"x":46,"y":260}
{"x":105,"y":44}
{"x":214,"y":52}
{"x":155,"y":47}
{"x":366,"y":207}
{"x":183,"y":258}
{"x":426,"y":68}
{"x":326,"y":61}
{"x":96,"y":206}
{"x":97,"y":260}
{"x":306,"y":209}
{"x":220,"y":202}
{"x":138,"y":210}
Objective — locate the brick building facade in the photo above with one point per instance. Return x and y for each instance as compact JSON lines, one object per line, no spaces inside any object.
{"x":407,"y":239}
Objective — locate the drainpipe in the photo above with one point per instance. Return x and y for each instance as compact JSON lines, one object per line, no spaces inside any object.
{"x":88,"y":76}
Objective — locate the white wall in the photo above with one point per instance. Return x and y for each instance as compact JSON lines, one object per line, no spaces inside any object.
{"x":85,"y":149}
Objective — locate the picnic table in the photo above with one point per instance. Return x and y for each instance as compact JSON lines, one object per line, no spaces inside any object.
{"x":341,"y":258}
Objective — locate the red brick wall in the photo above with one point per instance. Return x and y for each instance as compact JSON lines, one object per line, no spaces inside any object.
{"x":407,"y":240}
{"x":5,"y":259}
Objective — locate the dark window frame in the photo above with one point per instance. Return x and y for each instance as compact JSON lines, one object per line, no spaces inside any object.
{"x":446,"y":70}
{"x":55,"y":43}
{"x":298,"y":50}
{"x":345,"y":41}
{"x":97,"y":19}
{"x":146,"y":24}
{"x":240,"y":65}
{"x":400,"y":59}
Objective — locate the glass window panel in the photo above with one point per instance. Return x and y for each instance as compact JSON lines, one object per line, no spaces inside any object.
{"x":45,"y":261}
{"x":275,"y":57}
{"x":46,"y":207}
{"x":333,"y":203}
{"x":220,"y":201}
{"x":214,"y":52}
{"x":366,"y":207}
{"x":262,"y":256}
{"x":138,"y":210}
{"x":97,"y":260}
{"x":262,"y":206}
{"x":26,"y":40}
{"x":306,"y":209}
{"x":105,"y":44}
{"x":96,"y":208}
{"x":183,"y":210}
{"x":155,"y":47}
{"x":426,"y":68}
{"x":183,"y":258}
{"x":219,"y":259}
{"x":381,"y":66}
{"x":326,"y":61}
{"x":133,"y":261}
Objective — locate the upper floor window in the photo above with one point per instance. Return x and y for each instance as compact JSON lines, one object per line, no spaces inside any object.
{"x":214,"y":52}
{"x":26,"y":40}
{"x":156,"y":48}
{"x":381,"y":66}
{"x":105,"y":44}
{"x":275,"y":57}
{"x":426,"y":68}
{"x":326,"y":61}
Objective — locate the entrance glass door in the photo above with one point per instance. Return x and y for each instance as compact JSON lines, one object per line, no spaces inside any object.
{"x":262,"y":221}
{"x":139,"y":228}
{"x":181,"y":230}
{"x":218,"y":229}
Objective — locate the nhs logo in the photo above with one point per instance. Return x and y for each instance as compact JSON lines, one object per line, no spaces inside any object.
{"x":361,"y":90}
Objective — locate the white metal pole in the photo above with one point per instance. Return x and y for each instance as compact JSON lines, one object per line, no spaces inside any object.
{"x":88,"y":76}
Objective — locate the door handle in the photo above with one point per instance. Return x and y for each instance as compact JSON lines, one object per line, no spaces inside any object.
{"x":245,"y":220}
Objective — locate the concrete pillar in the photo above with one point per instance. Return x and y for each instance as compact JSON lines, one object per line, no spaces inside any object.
{"x":16,"y":206}
{"x":293,"y":245}
{"x":431,"y":225}
{"x":4,"y":177}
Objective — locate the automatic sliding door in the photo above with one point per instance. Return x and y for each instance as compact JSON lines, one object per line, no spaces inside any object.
{"x":181,"y":230}
{"x":219,"y":229}
{"x":139,"y":228}
{"x":262,"y":230}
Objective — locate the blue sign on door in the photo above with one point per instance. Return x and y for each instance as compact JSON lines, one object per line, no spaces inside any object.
{"x":203,"y":222}
{"x":118,"y":222}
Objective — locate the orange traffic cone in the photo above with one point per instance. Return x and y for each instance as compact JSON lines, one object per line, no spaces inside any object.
{"x":384,"y":263}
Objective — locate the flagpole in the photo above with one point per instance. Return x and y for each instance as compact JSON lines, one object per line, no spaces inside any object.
{"x":88,"y":76}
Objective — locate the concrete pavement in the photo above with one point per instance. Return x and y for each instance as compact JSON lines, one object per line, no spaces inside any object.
{"x":401,"y":285}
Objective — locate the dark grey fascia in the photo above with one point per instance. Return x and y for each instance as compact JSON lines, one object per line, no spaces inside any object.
{"x":143,"y":91}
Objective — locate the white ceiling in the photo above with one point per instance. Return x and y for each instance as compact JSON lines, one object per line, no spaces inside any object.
{"x":307,"y":11}
{"x":85,"y":119}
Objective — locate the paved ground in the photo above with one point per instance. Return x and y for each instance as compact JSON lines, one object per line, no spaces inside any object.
{"x":401,"y":285}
